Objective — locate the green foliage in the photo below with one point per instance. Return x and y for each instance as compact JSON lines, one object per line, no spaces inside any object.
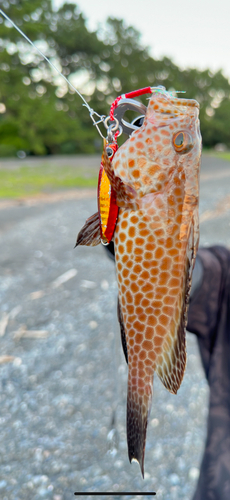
{"x":42,"y":117}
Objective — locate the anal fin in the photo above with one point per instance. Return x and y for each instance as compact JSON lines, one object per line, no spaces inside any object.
{"x":122,"y":330}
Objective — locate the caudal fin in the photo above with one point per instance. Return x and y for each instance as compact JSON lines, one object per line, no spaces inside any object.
{"x":138,"y":410}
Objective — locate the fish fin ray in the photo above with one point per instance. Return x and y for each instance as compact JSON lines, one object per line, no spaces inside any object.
{"x":171,"y":373}
{"x":122,"y":330}
{"x":138,"y":411}
{"x":89,"y":234}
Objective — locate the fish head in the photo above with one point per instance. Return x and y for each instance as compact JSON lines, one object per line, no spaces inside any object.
{"x":169,"y":139}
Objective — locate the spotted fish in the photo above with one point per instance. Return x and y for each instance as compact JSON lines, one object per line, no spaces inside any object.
{"x":155,"y":178}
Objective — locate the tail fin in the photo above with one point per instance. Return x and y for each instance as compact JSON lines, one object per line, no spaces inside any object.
{"x":138,"y":410}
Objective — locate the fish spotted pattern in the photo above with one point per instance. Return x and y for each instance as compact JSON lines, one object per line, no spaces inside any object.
{"x":155,"y":176}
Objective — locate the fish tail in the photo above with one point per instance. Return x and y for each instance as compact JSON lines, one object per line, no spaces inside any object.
{"x":138,"y":410}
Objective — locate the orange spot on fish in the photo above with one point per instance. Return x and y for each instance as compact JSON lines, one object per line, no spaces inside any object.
{"x":152,"y":321}
{"x":145,"y":275}
{"x":165,"y":132}
{"x":136,"y":174}
{"x":137,"y":269}
{"x":142,"y":356}
{"x":131,"y":163}
{"x":134,"y":288}
{"x":147,"y":345}
{"x":124,"y":224}
{"x":157,"y":341}
{"x":144,"y":232}
{"x":132,"y":231}
{"x":134,"y":219}
{"x":138,"y":251}
{"x":159,"y":252}
{"x":153,"y":169}
{"x":137,"y":348}
{"x":122,"y":237}
{"x":147,"y":264}
{"x":173,"y":252}
{"x":152,"y":355}
{"x":129,"y":297}
{"x":167,"y":310}
{"x":125,"y":273}
{"x":166,"y":264}
{"x":160,"y":330}
{"x":164,"y":320}
{"x":145,"y":302}
{"x":129,"y":246}
{"x":121,"y":249}
{"x":138,"y":298}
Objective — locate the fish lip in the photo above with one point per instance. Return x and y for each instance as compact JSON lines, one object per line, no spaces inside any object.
{"x":176,"y":101}
{"x":164,"y":109}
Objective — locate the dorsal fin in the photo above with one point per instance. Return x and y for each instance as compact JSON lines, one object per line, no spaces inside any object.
{"x":89,"y":234}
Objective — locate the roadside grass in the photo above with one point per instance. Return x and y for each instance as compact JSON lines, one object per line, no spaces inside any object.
{"x":27,"y":181}
{"x":224,"y":156}
{"x":32,"y":180}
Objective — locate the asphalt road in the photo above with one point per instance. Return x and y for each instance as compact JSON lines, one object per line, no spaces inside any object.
{"x":62,"y":371}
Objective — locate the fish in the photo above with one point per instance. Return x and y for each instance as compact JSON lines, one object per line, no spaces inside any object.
{"x":154,"y":176}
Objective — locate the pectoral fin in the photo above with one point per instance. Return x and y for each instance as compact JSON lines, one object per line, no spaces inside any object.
{"x":89,"y":234}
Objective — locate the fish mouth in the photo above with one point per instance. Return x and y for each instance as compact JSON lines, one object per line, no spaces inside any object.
{"x":163,"y":107}
{"x":163,"y":95}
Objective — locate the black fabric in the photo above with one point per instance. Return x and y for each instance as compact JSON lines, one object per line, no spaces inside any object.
{"x":209,"y":319}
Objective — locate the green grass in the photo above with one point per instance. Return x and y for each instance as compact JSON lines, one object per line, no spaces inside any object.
{"x":211,"y":152}
{"x":27,"y":181}
{"x":224,"y":156}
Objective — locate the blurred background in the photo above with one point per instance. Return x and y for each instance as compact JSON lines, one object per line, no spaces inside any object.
{"x":62,"y":372}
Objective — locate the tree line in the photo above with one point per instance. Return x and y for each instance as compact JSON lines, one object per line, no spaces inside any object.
{"x":39,"y":115}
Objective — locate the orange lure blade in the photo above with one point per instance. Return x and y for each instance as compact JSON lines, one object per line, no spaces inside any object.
{"x":107,"y":207}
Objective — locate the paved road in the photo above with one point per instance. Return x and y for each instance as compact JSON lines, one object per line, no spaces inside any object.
{"x":62,"y":371}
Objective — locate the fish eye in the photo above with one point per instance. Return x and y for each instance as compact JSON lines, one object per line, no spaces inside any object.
{"x":109,"y":151}
{"x":182,"y":142}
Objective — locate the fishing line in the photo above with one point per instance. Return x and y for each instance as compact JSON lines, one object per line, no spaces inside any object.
{"x":91,"y":111}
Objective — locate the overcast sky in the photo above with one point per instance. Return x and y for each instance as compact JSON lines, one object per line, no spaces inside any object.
{"x":194,"y":33}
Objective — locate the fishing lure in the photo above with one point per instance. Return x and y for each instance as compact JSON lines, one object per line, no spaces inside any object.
{"x":154,"y":180}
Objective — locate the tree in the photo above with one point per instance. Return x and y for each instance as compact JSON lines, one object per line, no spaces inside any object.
{"x":36,"y":118}
{"x":41,"y":116}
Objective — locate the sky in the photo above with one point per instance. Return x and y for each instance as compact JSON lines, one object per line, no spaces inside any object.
{"x":193,"y":33}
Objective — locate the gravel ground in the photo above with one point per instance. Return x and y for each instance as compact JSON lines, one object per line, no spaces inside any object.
{"x":62,"y":370}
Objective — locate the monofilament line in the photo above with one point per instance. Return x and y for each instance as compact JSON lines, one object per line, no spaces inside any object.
{"x":91,"y":111}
